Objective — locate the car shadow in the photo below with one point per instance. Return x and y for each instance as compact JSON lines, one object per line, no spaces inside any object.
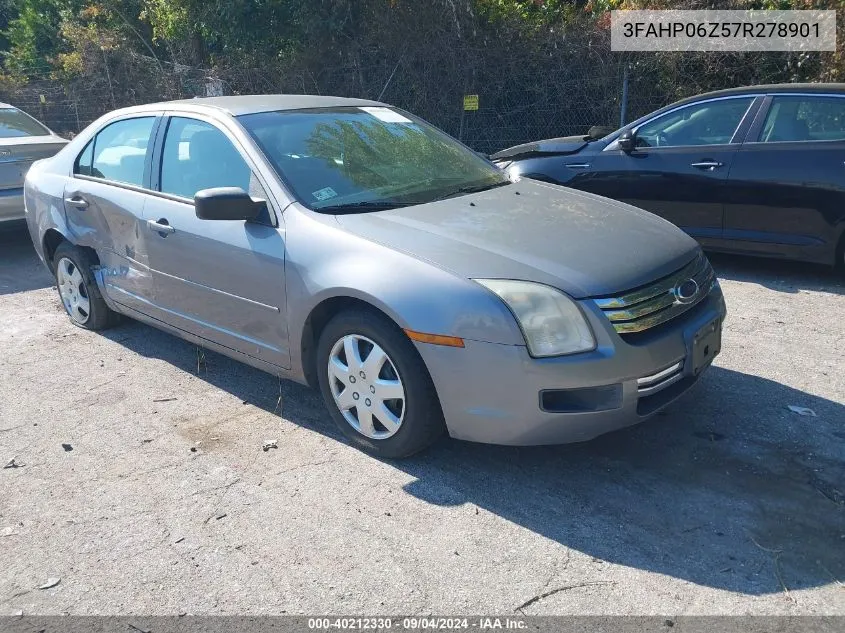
{"x":20,"y":269}
{"x":728,"y":488}
{"x":778,"y":274}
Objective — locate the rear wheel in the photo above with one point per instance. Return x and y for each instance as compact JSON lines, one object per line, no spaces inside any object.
{"x":376,"y":386}
{"x":78,"y":290}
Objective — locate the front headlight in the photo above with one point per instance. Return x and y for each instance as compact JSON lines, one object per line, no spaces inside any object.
{"x":551,"y":322}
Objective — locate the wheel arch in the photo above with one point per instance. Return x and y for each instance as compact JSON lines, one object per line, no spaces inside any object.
{"x":50,"y":242}
{"x":53,"y":238}
{"x":318,"y":318}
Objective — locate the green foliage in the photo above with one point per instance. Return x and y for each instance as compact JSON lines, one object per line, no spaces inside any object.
{"x":369,"y":40}
{"x":41,"y":35}
{"x":168,"y":18}
{"x":211,"y":30}
{"x":33,"y":33}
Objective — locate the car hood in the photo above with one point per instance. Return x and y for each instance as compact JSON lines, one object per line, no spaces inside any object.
{"x":550,"y":147}
{"x":583,"y":244}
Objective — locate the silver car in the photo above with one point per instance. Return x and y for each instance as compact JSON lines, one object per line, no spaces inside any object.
{"x":23,"y":140}
{"x":350,"y":246}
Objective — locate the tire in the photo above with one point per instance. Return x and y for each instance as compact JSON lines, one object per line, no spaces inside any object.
{"x":840,"y":255}
{"x":78,"y":291}
{"x":420,"y":418}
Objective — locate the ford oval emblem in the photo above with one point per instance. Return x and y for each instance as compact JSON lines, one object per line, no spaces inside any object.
{"x":686,"y":291}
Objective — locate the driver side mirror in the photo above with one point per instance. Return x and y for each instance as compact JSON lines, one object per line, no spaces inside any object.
{"x":627,"y":141}
{"x":226,"y":203}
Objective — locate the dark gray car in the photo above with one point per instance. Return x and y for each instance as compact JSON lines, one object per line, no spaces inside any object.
{"x":755,"y":170}
{"x":351,"y":246}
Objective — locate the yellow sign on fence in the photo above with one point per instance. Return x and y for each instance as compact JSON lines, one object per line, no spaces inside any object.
{"x":470,"y":103}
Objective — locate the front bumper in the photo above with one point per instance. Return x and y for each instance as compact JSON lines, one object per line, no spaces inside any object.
{"x":499,"y":394}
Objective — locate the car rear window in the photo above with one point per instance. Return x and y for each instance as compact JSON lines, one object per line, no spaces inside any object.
{"x":14,"y":123}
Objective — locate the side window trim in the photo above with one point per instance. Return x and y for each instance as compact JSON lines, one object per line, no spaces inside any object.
{"x":748,"y":120}
{"x":145,"y":186}
{"x":158,"y":148}
{"x":148,"y":158}
{"x":158,"y":158}
{"x":756,"y":129}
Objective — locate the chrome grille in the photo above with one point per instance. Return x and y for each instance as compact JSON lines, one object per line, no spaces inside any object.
{"x":649,"y":306}
{"x":648,"y":385}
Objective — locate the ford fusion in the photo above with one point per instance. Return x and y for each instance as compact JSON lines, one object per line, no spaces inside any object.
{"x":348,"y":245}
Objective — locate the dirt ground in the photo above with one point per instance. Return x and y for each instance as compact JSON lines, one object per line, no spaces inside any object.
{"x":143,"y":487}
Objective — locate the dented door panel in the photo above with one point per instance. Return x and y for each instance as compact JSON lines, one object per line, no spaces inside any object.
{"x":108,"y":218}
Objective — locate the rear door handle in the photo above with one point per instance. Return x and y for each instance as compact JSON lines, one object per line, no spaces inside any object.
{"x":160,"y":226}
{"x":77,"y":202}
{"x":709,"y":165}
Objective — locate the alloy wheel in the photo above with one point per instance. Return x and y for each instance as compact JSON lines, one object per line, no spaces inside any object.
{"x":366,"y":387}
{"x":72,"y":290}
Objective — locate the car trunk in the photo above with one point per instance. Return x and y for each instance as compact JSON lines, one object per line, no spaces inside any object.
{"x":17,"y":154}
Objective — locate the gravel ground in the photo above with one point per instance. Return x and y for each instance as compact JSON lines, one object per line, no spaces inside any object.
{"x":163,"y":502}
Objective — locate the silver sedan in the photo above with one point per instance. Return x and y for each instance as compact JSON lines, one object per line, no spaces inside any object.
{"x":23,"y":140}
{"x":351,"y":246}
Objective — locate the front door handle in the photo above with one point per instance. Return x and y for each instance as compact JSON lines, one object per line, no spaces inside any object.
{"x":77,"y":202}
{"x":708,"y":165}
{"x":162,"y":227}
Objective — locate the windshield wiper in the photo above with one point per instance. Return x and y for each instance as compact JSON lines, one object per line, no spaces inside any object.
{"x":471,"y":189}
{"x":356,"y":207}
{"x":385,"y":205}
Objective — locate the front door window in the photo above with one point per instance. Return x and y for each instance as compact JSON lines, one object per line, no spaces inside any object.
{"x":708,"y":123}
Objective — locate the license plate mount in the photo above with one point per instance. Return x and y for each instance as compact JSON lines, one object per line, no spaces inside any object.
{"x":706,"y":343}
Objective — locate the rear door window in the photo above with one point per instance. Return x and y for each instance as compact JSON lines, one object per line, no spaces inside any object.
{"x":14,"y":123}
{"x":118,"y":152}
{"x":804,"y":118}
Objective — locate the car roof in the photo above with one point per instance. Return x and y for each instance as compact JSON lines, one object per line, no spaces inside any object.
{"x":251,"y":104}
{"x":796,"y":88}
{"x":768,"y":88}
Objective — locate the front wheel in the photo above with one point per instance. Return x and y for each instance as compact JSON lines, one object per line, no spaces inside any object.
{"x":376,"y":386}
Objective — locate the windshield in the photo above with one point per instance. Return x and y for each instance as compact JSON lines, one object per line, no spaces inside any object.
{"x":14,"y":123}
{"x":358,"y":159}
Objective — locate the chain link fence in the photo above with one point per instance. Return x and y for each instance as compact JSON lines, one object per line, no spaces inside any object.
{"x":515,"y":104}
